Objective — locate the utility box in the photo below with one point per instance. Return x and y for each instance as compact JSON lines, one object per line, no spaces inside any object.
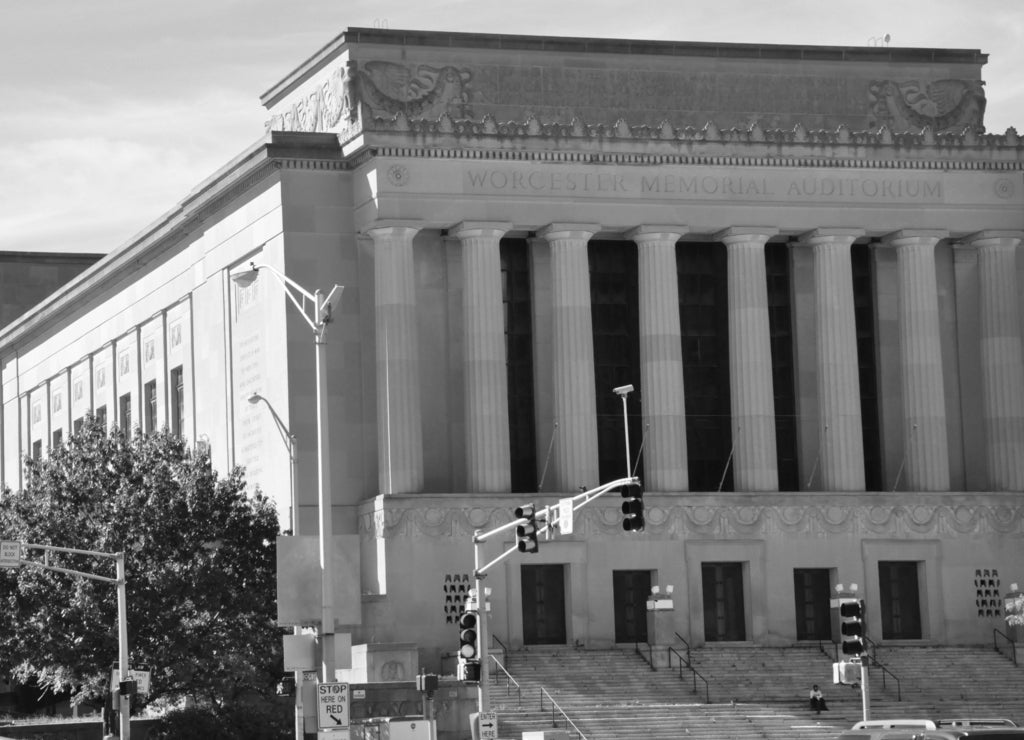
{"x":405,"y":728}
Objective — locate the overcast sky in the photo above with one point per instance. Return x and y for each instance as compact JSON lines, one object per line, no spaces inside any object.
{"x":112,"y":110}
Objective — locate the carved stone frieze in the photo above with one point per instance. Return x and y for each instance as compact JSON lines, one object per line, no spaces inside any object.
{"x":668,"y":519}
{"x":324,"y":108}
{"x":943,"y":105}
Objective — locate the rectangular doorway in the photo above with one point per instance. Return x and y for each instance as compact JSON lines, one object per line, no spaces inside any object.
{"x":630,"y":589}
{"x":899,"y":599}
{"x":543,"y":604}
{"x":812,"y":592}
{"x":725,"y":618}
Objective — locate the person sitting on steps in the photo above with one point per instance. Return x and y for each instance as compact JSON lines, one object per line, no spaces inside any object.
{"x":817,"y":700}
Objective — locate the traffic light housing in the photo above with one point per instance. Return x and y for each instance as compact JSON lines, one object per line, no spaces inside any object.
{"x":633,"y":508}
{"x":526,"y":534}
{"x":851,"y":626}
{"x":469,"y":646}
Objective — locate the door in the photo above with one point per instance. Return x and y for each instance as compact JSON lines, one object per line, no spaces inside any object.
{"x":812,"y":593}
{"x":725,"y":617}
{"x":543,"y":604}
{"x":899,"y":599}
{"x":630,"y":589}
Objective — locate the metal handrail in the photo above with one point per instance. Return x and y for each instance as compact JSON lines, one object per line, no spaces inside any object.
{"x":835,"y":650}
{"x":509,"y":680}
{"x":650,"y":653}
{"x":554,"y":721}
{"x":685,"y":662}
{"x":872,"y":660}
{"x":683,"y":640}
{"x":996,"y":633}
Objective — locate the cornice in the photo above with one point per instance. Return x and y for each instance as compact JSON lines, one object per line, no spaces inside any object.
{"x":579,"y":142}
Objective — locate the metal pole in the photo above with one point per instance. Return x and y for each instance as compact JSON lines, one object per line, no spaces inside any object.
{"x":484,"y":700}
{"x":865,"y":693}
{"x":625,"y":425}
{"x":124,"y":702}
{"x":324,"y":501}
{"x":293,"y":459}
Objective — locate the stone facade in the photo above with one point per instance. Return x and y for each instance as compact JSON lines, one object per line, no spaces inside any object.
{"x":435,"y":175}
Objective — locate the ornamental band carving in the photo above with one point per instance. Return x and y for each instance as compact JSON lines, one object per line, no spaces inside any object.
{"x":701,"y":520}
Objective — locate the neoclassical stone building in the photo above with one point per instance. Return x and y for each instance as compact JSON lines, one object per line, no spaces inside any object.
{"x":805,"y":259}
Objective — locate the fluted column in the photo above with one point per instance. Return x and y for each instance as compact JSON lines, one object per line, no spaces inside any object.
{"x":661,"y":359}
{"x":925,"y":446}
{"x":1002,"y":368}
{"x":575,"y":405}
{"x":755,"y":461}
{"x":399,"y":416}
{"x":488,"y":467}
{"x":840,"y":436}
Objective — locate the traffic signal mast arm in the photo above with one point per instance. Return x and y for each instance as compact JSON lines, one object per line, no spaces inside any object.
{"x":120,"y":581}
{"x":45,"y":563}
{"x":549,"y":516}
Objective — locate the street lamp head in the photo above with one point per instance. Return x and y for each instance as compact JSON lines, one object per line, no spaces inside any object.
{"x":623,"y":390}
{"x":245,"y":278}
{"x":254,"y":398}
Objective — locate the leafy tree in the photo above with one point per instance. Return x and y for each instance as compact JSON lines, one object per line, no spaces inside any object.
{"x":200,"y":561}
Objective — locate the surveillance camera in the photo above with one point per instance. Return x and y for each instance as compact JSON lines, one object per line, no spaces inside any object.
{"x":622,"y":390}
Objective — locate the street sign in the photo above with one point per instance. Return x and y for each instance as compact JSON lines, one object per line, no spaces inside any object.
{"x":10,"y":554}
{"x":565,"y":515}
{"x":332,"y":706}
{"x":141,"y":678}
{"x":488,"y":726}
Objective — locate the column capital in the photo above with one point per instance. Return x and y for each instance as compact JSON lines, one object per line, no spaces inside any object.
{"x":831,"y":236}
{"x":743,"y":234}
{"x":647,"y":233}
{"x":905,"y":237}
{"x":393,"y":226}
{"x":991,"y":236}
{"x":568,"y":230}
{"x":470,"y":229}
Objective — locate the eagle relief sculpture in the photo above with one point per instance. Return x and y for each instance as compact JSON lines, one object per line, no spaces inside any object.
{"x":942,"y":105}
{"x":387,"y":88}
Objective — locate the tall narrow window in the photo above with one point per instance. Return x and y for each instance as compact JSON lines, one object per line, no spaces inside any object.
{"x":101,"y":417}
{"x":58,"y":439}
{"x":614,"y":305}
{"x":37,"y":449}
{"x":780,"y":327}
{"x":704,"y":322}
{"x":125,"y":413}
{"x":515,"y":287}
{"x":864,"y":316}
{"x":149,"y":394}
{"x":78,"y":424}
{"x":177,"y":400}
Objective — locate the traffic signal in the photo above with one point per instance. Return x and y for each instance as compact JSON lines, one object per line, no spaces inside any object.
{"x":851,"y":625}
{"x":633,"y":507}
{"x":526,"y":534}
{"x":469,"y":647}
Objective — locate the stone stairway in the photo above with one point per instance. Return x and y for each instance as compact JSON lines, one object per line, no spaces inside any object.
{"x":755,"y":692}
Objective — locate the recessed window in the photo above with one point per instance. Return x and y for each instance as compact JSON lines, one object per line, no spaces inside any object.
{"x":149,"y":394}
{"x":177,"y":400}
{"x":125,"y":412}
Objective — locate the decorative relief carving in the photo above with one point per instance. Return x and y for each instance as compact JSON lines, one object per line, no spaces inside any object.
{"x":324,"y":107}
{"x":883,"y":136}
{"x":388,"y":88}
{"x":711,"y":521}
{"x":385,"y":90}
{"x":942,"y":105}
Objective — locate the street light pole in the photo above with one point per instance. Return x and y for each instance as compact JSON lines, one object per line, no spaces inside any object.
{"x":316,"y":310}
{"x":122,"y":643}
{"x":293,"y":525}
